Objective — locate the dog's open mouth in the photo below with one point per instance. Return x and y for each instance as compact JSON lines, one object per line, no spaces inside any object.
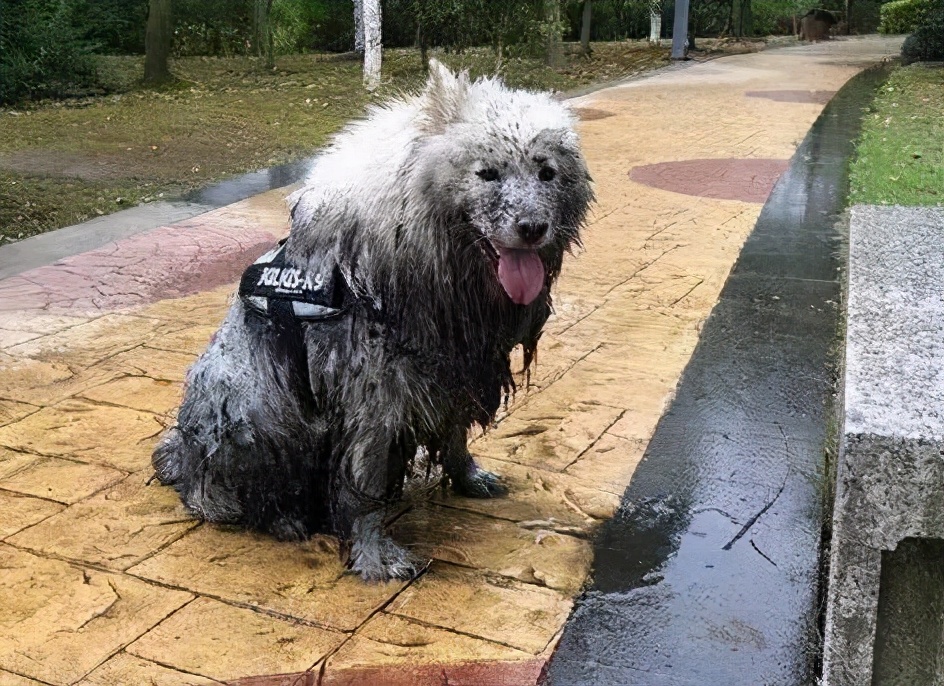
{"x":520,"y":272}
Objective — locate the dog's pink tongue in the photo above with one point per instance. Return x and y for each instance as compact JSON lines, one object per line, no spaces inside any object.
{"x":521,"y":274}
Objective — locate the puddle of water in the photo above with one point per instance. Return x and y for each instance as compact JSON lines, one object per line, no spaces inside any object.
{"x":253,"y":183}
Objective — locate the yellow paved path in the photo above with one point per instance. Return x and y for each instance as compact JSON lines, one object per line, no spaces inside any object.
{"x":104,"y":579}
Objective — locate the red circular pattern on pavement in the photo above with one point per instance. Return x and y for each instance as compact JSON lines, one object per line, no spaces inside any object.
{"x":724,"y":179}
{"x":817,"y":97}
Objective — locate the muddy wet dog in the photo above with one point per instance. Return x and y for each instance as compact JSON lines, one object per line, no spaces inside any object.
{"x":422,"y":250}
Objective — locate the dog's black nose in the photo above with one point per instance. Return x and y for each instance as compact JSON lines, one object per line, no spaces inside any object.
{"x":531,"y":232}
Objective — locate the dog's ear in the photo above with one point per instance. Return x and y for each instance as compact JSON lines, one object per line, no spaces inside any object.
{"x":569,"y":141}
{"x":444,"y":97}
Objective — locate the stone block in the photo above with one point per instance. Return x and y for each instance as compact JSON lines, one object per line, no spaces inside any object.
{"x":54,"y":478}
{"x":60,"y":621}
{"x":117,"y":528}
{"x":305,"y":581}
{"x":19,"y":511}
{"x":508,"y":612}
{"x":114,"y":437}
{"x":223,"y":642}
{"x":531,"y":554}
{"x":397,"y":652}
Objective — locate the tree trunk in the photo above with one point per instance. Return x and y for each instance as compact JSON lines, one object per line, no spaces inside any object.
{"x":585,"y":28}
{"x":262,"y":30}
{"x":157,"y":42}
{"x":423,"y":46}
{"x":372,"y":43}
{"x":552,"y":22}
{"x":747,"y":18}
{"x":680,"y":31}
{"x":359,"y":26}
{"x":655,"y":23}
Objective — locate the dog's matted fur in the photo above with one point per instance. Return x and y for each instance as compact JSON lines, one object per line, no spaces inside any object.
{"x":442,"y":219}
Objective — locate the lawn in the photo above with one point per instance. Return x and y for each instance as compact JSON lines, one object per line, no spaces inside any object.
{"x":64,"y":162}
{"x":900,"y":153}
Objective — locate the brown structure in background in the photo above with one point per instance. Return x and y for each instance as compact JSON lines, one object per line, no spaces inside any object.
{"x":817,"y":25}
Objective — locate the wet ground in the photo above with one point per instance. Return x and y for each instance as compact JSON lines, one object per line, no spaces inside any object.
{"x":106,"y":580}
{"x":714,"y":554}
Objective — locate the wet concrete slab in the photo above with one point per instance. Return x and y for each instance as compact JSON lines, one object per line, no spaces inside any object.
{"x":710,"y":570}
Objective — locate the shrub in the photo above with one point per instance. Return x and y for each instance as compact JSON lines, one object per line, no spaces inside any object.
{"x":927,"y":42}
{"x":43,"y":51}
{"x":903,"y":16}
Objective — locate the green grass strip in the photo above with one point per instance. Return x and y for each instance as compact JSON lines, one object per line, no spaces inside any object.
{"x":900,"y":153}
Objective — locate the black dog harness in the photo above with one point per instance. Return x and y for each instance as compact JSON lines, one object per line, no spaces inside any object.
{"x":288,"y":294}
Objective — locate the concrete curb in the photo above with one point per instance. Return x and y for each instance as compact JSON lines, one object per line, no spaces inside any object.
{"x":885,"y":612}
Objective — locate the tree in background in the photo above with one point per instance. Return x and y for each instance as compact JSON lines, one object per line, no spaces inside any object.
{"x":372,"y":43}
{"x":157,"y":42}
{"x":359,"y":26}
{"x":585,"y":27}
{"x":262,"y":32}
{"x":655,"y":22}
{"x":552,"y":26}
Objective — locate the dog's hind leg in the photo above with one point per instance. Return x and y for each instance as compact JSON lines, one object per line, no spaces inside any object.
{"x":466,"y":477}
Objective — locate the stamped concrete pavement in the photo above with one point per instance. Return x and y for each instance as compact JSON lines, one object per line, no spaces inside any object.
{"x":106,"y":580}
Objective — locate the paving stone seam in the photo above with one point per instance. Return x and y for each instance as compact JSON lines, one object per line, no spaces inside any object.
{"x":104,"y":403}
{"x":73,"y":561}
{"x":3,"y":539}
{"x":580,"y":481}
{"x":162,"y":664}
{"x":571,"y":531}
{"x":82,"y":565}
{"x":686,"y":294}
{"x":639,"y":271}
{"x":604,"y":299}
{"x":381,"y":609}
{"x":232,"y":603}
{"x":515,"y":405}
{"x":596,"y":440}
{"x":36,"y":408}
{"x":467,"y":634}
{"x":24,"y":676}
{"x":68,"y":458}
{"x":491,"y":572}
{"x":105,"y":487}
{"x":561,"y":472}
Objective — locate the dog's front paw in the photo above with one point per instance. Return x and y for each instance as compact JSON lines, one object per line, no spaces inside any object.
{"x":383,"y":560}
{"x":479,"y":483}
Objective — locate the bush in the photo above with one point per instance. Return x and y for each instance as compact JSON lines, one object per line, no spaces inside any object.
{"x":43,"y":51}
{"x":212,"y":27}
{"x":903,"y":16}
{"x":927,"y":42}
{"x":113,"y":26}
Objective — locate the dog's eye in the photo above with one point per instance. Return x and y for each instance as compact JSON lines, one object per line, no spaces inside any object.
{"x":547,"y":174}
{"x":487,"y":174}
